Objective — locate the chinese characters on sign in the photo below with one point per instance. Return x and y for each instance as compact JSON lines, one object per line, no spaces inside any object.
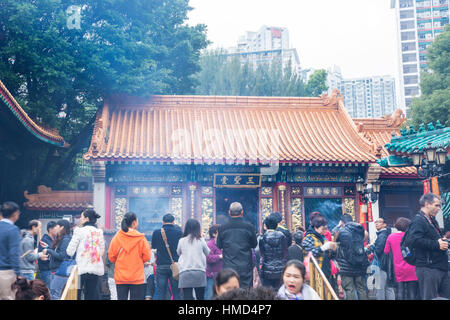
{"x":224,"y":180}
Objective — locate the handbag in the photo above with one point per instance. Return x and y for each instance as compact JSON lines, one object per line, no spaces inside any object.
{"x":65,"y":268}
{"x":174,"y":265}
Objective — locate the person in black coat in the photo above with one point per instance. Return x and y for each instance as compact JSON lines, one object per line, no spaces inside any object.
{"x":273,"y":249}
{"x":295,"y":252}
{"x":278,"y":218}
{"x":237,"y":238}
{"x":350,"y":238}
{"x":430,"y":247}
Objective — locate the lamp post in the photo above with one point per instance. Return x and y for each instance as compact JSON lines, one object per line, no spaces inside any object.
{"x":368,"y":193}
{"x":430,"y":162}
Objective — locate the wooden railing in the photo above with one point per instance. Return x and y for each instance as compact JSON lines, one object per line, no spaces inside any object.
{"x":71,"y":289}
{"x":319,"y":282}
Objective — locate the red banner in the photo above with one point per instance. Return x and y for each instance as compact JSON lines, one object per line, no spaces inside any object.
{"x":369,"y":212}
{"x":435,"y":186}
{"x":426,"y":186}
{"x":362,"y":213}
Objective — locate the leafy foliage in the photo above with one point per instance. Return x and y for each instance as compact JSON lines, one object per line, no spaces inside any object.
{"x":434,"y":103}
{"x":225,"y":75}
{"x":61,"y":75}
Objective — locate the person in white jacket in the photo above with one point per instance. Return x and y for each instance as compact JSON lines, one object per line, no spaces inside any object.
{"x":89,"y":245}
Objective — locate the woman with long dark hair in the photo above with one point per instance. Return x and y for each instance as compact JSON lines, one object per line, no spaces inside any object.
{"x":192,"y":251}
{"x":129,"y":250}
{"x":57,"y":255}
{"x":89,"y":245}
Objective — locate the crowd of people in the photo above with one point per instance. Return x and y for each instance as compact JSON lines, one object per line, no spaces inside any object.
{"x":408,"y":261}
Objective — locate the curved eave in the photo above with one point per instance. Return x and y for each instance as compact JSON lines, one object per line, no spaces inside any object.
{"x":27,"y":122}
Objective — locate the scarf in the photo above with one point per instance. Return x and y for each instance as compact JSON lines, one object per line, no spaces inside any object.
{"x":284,"y":293}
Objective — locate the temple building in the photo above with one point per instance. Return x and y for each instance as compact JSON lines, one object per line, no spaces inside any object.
{"x":194,"y":155}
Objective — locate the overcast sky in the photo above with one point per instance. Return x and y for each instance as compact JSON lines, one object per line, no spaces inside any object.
{"x":359,"y":36}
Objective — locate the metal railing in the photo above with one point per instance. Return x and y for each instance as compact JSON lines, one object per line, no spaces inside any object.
{"x":71,"y":289}
{"x":319,"y":282}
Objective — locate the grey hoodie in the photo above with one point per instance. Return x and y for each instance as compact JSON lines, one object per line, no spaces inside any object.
{"x":27,"y":255}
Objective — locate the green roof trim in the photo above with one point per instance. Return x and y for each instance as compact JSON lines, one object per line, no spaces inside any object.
{"x":409,"y":141}
{"x":395,"y":161}
{"x":27,"y":126}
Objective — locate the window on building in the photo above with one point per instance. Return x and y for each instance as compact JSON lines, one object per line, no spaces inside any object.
{"x":409,"y":24}
{"x":423,"y":4}
{"x":406,"y":3}
{"x":411,"y":79}
{"x":408,"y":35}
{"x":406,"y":14}
{"x":411,"y":91}
{"x":409,"y":57}
{"x":408,"y":46}
{"x":410,"y":68}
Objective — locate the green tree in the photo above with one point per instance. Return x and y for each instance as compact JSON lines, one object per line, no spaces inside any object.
{"x":61,"y":74}
{"x":317,"y":83}
{"x":223,"y":74}
{"x":434,"y":103}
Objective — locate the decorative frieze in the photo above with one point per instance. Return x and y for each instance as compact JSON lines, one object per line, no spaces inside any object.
{"x":176,"y":208}
{"x":296,"y":213}
{"x":349,"y":207}
{"x":207,"y":191}
{"x":266,"y":191}
{"x":207,"y":215}
{"x":266,"y":207}
{"x":120,"y":208}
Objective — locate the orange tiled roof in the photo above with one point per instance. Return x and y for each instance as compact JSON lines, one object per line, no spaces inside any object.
{"x":379,"y":131}
{"x":48,"y":135}
{"x":396,"y":171}
{"x":240,"y":128}
{"x":47,"y":199}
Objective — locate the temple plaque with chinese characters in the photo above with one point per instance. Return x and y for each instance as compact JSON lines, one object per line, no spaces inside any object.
{"x":224,"y":180}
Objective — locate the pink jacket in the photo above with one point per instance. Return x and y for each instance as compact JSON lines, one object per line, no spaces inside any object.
{"x":403,"y":271}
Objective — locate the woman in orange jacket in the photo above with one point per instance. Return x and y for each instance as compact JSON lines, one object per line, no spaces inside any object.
{"x":129,"y":250}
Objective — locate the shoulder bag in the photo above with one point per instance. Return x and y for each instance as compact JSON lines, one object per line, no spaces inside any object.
{"x":65,"y":268}
{"x":174,"y":265}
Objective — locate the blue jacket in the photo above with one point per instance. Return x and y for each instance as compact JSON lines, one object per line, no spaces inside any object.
{"x":44,"y":265}
{"x":58,"y":255}
{"x":9,"y":247}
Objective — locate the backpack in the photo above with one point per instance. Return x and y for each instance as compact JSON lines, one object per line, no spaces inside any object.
{"x":356,"y":254}
{"x":353,"y":249}
{"x":408,"y":252}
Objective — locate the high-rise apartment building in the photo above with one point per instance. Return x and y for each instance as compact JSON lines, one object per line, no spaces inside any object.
{"x":368,"y":97}
{"x":418,"y":23}
{"x":266,"y":45}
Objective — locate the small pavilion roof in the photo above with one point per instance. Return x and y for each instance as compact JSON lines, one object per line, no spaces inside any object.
{"x":47,"y":199}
